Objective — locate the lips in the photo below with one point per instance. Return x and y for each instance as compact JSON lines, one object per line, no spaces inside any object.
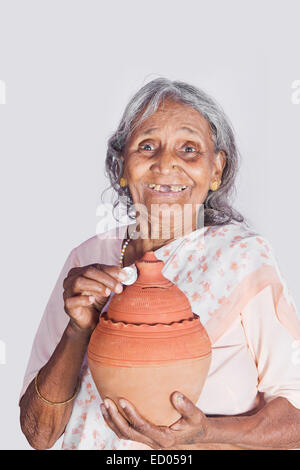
{"x":167,"y":188}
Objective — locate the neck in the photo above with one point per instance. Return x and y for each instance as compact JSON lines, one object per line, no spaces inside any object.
{"x":151,"y":236}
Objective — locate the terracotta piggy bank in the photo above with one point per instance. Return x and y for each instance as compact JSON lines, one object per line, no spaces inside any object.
{"x":149,"y":344}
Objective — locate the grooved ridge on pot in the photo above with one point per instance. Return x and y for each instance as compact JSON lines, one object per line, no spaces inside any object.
{"x":118,"y":343}
{"x":149,"y":305}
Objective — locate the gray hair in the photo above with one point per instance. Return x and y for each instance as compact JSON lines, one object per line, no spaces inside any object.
{"x":217,"y":207}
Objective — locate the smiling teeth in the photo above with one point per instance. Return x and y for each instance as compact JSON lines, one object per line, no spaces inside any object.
{"x":173,"y":188}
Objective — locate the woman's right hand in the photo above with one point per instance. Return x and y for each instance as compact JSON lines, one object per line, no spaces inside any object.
{"x":86,"y":291}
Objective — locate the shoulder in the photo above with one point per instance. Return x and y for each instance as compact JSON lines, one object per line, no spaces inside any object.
{"x":238,"y":244}
{"x":238,"y":235}
{"x":101,"y":248}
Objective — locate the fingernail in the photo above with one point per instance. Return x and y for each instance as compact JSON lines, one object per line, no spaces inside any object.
{"x":122,"y":403}
{"x":107,"y":291}
{"x":179,"y":398}
{"x":91,"y":299}
{"x":106,"y":404}
{"x":119,"y":288}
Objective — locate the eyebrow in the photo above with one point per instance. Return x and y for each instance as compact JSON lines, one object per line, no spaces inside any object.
{"x":184,"y":128}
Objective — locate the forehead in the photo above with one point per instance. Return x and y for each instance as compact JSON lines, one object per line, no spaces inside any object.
{"x":174,"y":115}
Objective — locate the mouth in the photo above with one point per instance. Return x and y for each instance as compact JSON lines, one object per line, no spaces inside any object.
{"x":167,"y":189}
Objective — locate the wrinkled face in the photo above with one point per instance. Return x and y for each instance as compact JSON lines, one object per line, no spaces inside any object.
{"x":170,"y":157}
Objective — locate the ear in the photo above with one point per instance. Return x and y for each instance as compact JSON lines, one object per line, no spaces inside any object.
{"x":219,"y":164}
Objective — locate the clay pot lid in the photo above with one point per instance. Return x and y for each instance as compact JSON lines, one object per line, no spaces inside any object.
{"x":151,"y":299}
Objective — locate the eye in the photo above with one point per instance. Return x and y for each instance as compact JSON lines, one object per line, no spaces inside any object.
{"x":190,"y":148}
{"x":147,"y":147}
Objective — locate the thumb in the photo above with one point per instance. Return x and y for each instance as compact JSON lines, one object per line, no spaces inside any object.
{"x":186,"y":408}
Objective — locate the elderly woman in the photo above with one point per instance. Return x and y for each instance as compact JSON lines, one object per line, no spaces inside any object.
{"x":174,"y":147}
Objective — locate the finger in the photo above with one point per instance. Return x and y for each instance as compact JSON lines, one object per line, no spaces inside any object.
{"x":82,"y":284}
{"x":122,"y":425}
{"x":110,"y":275}
{"x":119,"y":422}
{"x":186,"y":408}
{"x":73,"y":273}
{"x":159,"y":435}
{"x":109,"y":422}
{"x":99,"y":301}
{"x":98,"y":297}
{"x":97,"y":272}
{"x":104,"y":279}
{"x":114,"y":271}
{"x":79,"y":301}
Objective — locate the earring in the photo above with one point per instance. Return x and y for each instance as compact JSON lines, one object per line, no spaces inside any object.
{"x":123,"y":182}
{"x":175,"y":167}
{"x":215,"y":185}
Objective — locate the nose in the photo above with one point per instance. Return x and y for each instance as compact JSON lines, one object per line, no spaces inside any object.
{"x":164,"y":162}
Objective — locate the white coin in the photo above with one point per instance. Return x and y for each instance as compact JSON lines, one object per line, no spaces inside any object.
{"x":131,"y":273}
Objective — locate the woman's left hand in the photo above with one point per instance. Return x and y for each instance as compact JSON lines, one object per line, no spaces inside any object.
{"x":191,"y":428}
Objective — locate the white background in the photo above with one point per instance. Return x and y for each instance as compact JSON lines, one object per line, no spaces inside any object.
{"x":70,"y":68}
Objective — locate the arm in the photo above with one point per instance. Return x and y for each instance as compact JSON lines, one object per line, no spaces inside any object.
{"x":86,"y":290}
{"x":275,"y":426}
{"x":41,"y":423}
